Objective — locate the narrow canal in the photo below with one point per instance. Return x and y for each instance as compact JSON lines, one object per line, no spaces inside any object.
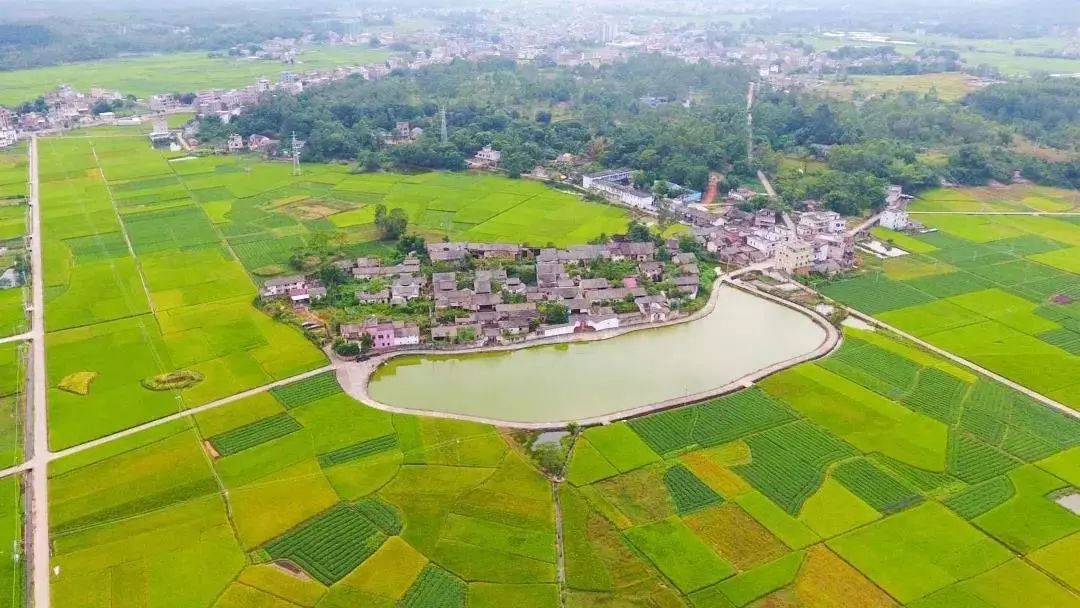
{"x":575,"y":381}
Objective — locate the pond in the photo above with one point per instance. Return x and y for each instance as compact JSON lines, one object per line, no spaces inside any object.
{"x":577,"y":381}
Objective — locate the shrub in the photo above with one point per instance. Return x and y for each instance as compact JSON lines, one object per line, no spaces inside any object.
{"x":183,"y":378}
{"x":78,"y":383}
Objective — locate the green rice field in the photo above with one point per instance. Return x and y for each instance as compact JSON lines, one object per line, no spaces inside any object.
{"x":838,"y":483}
{"x":1002,"y":291}
{"x":147,"y":75}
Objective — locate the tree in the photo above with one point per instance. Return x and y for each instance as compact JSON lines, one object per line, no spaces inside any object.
{"x":100,"y":107}
{"x":345,"y":348}
{"x":412,"y":243}
{"x":392,"y":224}
{"x":638,"y":232}
{"x":553,"y":313}
{"x":366,"y":342}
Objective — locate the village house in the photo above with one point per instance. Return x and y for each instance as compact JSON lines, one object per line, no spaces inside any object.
{"x":447,"y":252}
{"x":794,"y":256}
{"x":812,"y":223}
{"x":654,"y":309}
{"x":636,"y":252}
{"x":281,"y":286}
{"x":687,"y":285}
{"x":450,"y":333}
{"x":379,"y":297}
{"x":765,"y":240}
{"x":384,"y":335}
{"x":486,"y":158}
{"x":235,"y":143}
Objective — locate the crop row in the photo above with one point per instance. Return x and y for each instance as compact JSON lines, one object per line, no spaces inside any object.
{"x":876,"y":487}
{"x":251,"y":435}
{"x":667,"y":431}
{"x":435,"y":588}
{"x":1065,"y":339}
{"x":974,"y":461}
{"x":384,"y":516}
{"x":980,"y":498}
{"x":734,"y":416}
{"x":899,"y":372}
{"x":937,"y":394}
{"x":329,"y":545}
{"x":690,"y":493}
{"x":922,"y":480}
{"x":789,"y":462}
{"x":356,"y":451}
{"x":308,"y":390}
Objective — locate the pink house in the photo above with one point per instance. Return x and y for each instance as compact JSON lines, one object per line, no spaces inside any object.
{"x":629,"y":283}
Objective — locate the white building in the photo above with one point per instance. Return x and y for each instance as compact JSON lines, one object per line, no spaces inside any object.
{"x":818,"y":222}
{"x":624,"y":194}
{"x":766,"y":239}
{"x":611,"y":175}
{"x":602,"y":322}
{"x":895,"y":219}
{"x":406,"y":334}
{"x":487,"y":158}
{"x":794,"y":256}
{"x":8,"y":137}
{"x":236,"y":142}
{"x":283,"y":285}
{"x":564,"y":329}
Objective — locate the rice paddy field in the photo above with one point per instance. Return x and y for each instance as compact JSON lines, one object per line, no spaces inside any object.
{"x":147,"y":75}
{"x":156,"y":259}
{"x":1002,"y":291}
{"x":14,"y":177}
{"x":880,"y":476}
{"x":178,"y":298}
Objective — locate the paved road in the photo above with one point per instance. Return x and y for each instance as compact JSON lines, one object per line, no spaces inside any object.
{"x":19,"y":338}
{"x":38,"y":542}
{"x":82,"y":447}
{"x":968,"y":364}
{"x":1052,"y":213}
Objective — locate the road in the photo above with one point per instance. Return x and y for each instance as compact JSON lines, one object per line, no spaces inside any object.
{"x":38,"y":441}
{"x":968,"y":364}
{"x":82,"y":447}
{"x":1050,"y":213}
{"x":870,"y":221}
{"x":19,"y":338}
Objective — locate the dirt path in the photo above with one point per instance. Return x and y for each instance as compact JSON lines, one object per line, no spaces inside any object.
{"x":560,"y":556}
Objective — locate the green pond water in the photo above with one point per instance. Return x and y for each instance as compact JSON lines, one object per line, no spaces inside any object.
{"x":582,"y":380}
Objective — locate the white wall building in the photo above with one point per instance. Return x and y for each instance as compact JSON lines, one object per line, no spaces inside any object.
{"x":766,"y":239}
{"x":624,"y":194}
{"x":895,"y":219}
{"x":794,"y":256}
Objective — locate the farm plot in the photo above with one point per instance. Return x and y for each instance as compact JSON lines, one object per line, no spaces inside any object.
{"x":307,"y":391}
{"x":689,"y":492}
{"x":436,"y":588}
{"x":874,"y":486}
{"x":330,"y":545}
{"x":1005,"y":306}
{"x":256,"y":433}
{"x":712,"y":423}
{"x":789,"y":462}
{"x":928,"y":548}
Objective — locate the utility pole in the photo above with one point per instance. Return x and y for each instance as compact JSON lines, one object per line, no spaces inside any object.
{"x":442,"y":120}
{"x":296,"y":145}
{"x":750,"y":125}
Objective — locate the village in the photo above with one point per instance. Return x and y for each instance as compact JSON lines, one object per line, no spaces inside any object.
{"x":463,"y":295}
{"x":502,"y":293}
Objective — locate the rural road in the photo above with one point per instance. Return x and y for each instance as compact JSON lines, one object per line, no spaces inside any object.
{"x":968,"y":364}
{"x":17,"y":338}
{"x":82,"y":447}
{"x":1059,"y":213}
{"x":37,"y":542}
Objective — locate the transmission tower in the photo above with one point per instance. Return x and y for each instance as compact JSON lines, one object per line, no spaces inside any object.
{"x":442,"y":119}
{"x":296,"y":145}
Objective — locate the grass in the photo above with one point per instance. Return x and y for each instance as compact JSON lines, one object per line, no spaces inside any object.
{"x":929,"y":548}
